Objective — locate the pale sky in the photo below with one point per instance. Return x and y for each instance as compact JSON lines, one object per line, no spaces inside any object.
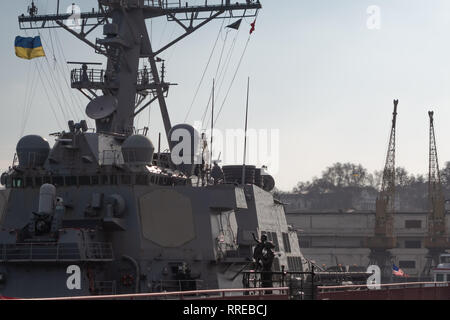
{"x":318,"y":74}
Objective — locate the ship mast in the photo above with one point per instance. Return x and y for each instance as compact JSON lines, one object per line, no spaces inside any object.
{"x":120,"y":92}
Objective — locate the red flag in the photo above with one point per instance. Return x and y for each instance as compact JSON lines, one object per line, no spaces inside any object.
{"x":252,"y":26}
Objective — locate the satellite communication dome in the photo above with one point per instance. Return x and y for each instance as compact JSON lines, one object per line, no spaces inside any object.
{"x":101,"y":107}
{"x":32,"y":151}
{"x":137,"y":149}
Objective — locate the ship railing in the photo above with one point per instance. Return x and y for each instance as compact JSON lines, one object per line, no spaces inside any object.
{"x":105,"y":287}
{"x":171,"y":4}
{"x":386,"y":286}
{"x":214,"y":294}
{"x":144,"y":77}
{"x":43,"y":252}
{"x":300,"y":283}
{"x":99,"y":79}
{"x":180,"y":285}
{"x":89,"y":75}
{"x":99,"y":251}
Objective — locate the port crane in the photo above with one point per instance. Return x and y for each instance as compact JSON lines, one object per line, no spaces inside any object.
{"x":383,"y":238}
{"x":436,"y":239}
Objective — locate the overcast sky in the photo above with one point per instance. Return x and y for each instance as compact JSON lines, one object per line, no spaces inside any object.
{"x":322,"y":74}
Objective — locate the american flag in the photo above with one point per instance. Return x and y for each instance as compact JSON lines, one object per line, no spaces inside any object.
{"x":396,"y":271}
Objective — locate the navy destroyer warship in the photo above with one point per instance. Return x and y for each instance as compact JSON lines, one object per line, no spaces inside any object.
{"x":105,"y":212}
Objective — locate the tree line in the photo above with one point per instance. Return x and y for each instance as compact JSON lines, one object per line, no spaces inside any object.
{"x":350,"y":178}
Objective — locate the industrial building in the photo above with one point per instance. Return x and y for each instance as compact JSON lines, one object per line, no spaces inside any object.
{"x":337,"y":238}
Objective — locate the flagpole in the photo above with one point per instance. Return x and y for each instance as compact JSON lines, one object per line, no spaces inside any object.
{"x":245,"y":134}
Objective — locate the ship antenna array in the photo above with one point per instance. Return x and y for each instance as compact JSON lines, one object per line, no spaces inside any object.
{"x":122,"y":21}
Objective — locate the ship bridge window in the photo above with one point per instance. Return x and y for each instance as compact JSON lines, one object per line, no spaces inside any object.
{"x":445,"y":259}
{"x":142,"y":179}
{"x":272,"y":237}
{"x":58,"y":181}
{"x":286,"y":243}
{"x":113,"y":179}
{"x":276,"y":265}
{"x":439,"y":277}
{"x":94,"y":180}
{"x":38,"y":181}
{"x":17,"y":183}
{"x":84,"y":180}
{"x":295,"y":264}
{"x":275,"y":241}
{"x":304,"y":243}
{"x":71,"y":181}
{"x":104,"y":179}
{"x":8,"y":182}
{"x":125,"y":179}
{"x":29,"y":182}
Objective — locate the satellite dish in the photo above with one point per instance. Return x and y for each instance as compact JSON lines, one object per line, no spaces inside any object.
{"x":101,"y":107}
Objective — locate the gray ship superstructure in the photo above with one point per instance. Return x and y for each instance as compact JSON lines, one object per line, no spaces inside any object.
{"x":103,"y":212}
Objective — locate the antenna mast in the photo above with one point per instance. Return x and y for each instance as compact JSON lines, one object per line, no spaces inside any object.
{"x":212,"y":123}
{"x":245,"y":134}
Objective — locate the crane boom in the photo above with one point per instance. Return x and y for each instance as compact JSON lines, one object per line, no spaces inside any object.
{"x":436,"y":240}
{"x":383,"y":238}
{"x":384,"y":212}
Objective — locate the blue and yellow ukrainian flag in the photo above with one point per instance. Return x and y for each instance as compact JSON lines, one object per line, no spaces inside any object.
{"x":29,"y":47}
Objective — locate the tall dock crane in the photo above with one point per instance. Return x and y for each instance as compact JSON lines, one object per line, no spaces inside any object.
{"x":436,"y":239}
{"x":383,"y":238}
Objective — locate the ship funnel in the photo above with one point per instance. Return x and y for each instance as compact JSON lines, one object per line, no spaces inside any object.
{"x":47,"y":199}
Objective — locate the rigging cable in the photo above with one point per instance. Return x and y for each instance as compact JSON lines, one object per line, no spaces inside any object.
{"x":60,"y":74}
{"x":25,"y":101}
{"x":48,"y":97}
{"x":217,"y":77}
{"x":56,"y":86}
{"x":39,"y":71}
{"x":45,"y":77}
{"x":222,"y":74}
{"x":77,"y":106}
{"x":172,"y":49}
{"x":237,"y":68}
{"x":29,"y":96}
{"x":225,"y":67}
{"x":234,"y":77}
{"x":204,"y":71}
{"x":77,"y":96}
